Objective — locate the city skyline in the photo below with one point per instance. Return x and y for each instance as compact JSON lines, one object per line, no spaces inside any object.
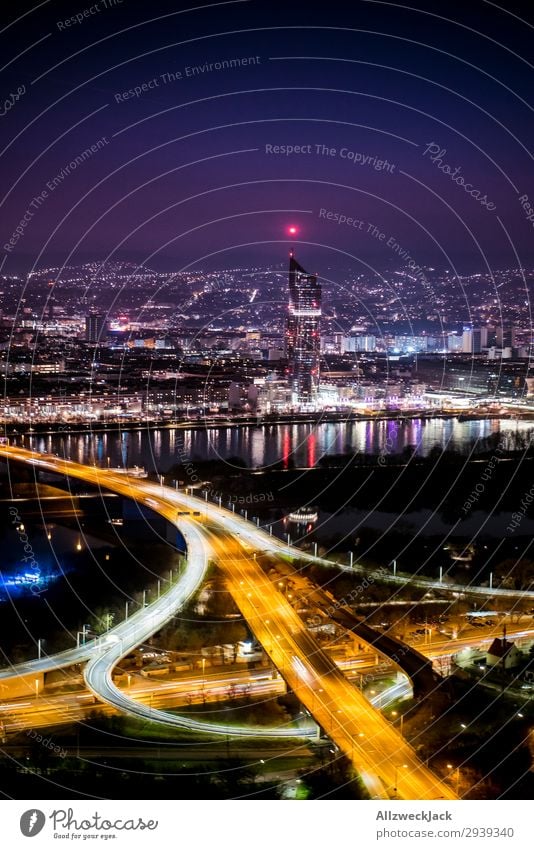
{"x":267,"y":416}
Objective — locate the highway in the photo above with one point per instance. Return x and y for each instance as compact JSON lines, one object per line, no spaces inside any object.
{"x":47,"y":710}
{"x":260,"y":539}
{"x":97,"y":675}
{"x":139,"y":625}
{"x":252,"y":535}
{"x":52,"y":709}
{"x":387,"y":765}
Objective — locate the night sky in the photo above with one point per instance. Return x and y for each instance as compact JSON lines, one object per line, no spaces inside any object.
{"x":424,"y":111}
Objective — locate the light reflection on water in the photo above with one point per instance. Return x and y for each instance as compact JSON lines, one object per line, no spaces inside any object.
{"x":300,"y":444}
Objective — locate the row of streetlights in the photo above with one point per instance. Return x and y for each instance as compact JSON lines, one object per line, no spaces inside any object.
{"x":450,"y":767}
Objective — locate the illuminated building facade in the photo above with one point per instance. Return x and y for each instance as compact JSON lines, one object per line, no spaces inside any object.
{"x":303,"y":334}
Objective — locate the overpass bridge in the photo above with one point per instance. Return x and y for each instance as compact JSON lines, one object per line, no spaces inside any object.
{"x":387,"y":764}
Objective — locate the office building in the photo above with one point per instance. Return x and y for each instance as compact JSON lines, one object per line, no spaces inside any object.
{"x":303,"y":333}
{"x":96,"y":327}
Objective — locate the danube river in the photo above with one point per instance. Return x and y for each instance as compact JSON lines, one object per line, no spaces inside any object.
{"x":301,"y":445}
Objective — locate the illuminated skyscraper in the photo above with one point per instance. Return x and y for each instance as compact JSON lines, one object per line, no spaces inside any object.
{"x":303,"y":335}
{"x":96,"y":327}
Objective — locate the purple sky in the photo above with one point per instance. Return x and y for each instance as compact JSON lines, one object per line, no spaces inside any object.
{"x":414,"y":124}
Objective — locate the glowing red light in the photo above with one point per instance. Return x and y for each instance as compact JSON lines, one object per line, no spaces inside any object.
{"x":292,"y":231}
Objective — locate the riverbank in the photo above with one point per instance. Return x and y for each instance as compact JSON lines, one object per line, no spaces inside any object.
{"x":16,"y":429}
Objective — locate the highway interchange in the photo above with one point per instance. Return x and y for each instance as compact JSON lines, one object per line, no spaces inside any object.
{"x":386,"y":763}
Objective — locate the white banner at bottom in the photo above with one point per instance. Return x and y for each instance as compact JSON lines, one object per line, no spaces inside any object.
{"x":267,"y":824}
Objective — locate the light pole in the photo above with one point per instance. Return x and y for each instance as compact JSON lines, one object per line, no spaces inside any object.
{"x":403,"y":766}
{"x":457,"y":778}
{"x":83,"y":633}
{"x":401,"y":722}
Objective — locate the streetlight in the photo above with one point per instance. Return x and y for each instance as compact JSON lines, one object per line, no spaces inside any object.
{"x":395,"y":713}
{"x":404,"y":766}
{"x":457,"y":778}
{"x":83,"y":632}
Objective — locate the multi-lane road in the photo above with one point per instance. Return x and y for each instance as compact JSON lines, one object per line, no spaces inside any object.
{"x":386,"y":763}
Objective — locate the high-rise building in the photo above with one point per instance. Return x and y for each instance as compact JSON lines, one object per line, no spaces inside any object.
{"x":303,"y":334}
{"x":474,"y":339}
{"x":96,"y":327}
{"x":505,"y":336}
